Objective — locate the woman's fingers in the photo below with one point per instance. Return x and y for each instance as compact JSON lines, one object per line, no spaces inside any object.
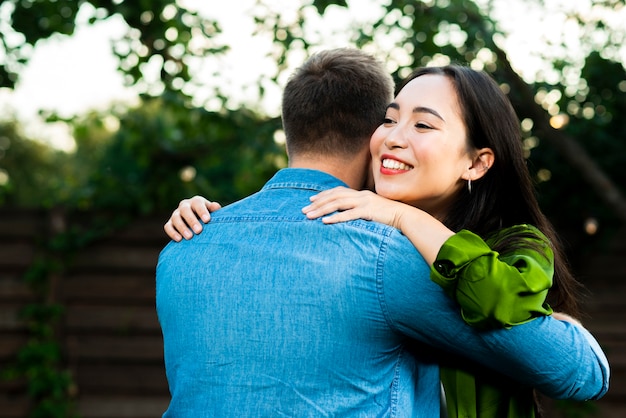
{"x":196,"y":208}
{"x":354,"y":204}
{"x":325,"y":205}
{"x":186,"y":217}
{"x":334,"y":192}
{"x":344,"y":216}
{"x":175,"y":227}
{"x":349,"y":202}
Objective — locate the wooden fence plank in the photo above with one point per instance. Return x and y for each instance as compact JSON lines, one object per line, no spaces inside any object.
{"x":10,"y":317}
{"x":10,"y":343}
{"x":114,"y":319}
{"x":22,"y":224}
{"x":14,"y":406}
{"x":122,"y":406}
{"x":117,"y":258}
{"x":16,"y":254}
{"x":122,"y":379}
{"x":13,"y":289}
{"x":115,"y":289}
{"x":112,"y":349}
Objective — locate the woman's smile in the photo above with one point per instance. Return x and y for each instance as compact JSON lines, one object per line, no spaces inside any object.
{"x":392,"y":165}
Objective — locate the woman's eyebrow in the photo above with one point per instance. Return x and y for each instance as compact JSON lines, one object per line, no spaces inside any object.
{"x":418,"y":109}
{"x":423,"y":109}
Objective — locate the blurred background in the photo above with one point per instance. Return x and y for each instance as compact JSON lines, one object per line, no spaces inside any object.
{"x":111,"y":111}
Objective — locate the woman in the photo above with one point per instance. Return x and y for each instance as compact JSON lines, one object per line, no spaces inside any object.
{"x":448,"y":160}
{"x":450,"y":145}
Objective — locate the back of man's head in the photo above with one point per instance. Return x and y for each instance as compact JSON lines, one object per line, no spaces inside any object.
{"x":334,"y":102}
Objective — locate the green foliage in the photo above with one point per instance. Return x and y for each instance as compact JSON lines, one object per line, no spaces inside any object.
{"x":598,"y":120}
{"x":31,"y":173}
{"x":159,"y":32}
{"x":165,"y":151}
{"x":321,"y":5}
{"x":162,"y":152}
{"x":594,"y":120}
{"x":40,"y":362}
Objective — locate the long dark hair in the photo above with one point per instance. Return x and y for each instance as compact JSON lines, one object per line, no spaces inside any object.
{"x":505,"y":195}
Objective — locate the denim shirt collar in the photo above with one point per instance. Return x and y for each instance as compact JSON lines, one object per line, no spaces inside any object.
{"x":303,"y":178}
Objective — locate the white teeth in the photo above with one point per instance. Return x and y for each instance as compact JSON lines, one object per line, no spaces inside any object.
{"x":395,"y":165}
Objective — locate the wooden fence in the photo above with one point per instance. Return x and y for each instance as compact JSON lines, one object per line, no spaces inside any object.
{"x":604,"y":275}
{"x":110,"y":336}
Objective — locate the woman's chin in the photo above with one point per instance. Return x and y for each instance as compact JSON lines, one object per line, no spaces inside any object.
{"x":390,"y":192}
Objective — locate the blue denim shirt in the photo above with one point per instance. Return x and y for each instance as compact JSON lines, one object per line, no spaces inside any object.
{"x":269,"y":314}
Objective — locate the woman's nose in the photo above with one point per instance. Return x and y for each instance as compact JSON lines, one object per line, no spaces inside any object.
{"x":395,"y":139}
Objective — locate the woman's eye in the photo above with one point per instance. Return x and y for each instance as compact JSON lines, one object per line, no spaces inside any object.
{"x":387,"y":121}
{"x":420,"y":125}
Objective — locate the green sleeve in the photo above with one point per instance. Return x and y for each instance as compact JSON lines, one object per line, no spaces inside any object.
{"x":492,"y":289}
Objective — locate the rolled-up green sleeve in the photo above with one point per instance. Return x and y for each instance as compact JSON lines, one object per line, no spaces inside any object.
{"x":492,"y":289}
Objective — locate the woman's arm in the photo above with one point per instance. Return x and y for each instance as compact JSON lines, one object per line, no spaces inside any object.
{"x":425,"y":232}
{"x":493,"y":290}
{"x":497,"y":289}
{"x":185,"y":219}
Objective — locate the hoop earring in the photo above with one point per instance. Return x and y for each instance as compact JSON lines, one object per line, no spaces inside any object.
{"x":469,"y":186}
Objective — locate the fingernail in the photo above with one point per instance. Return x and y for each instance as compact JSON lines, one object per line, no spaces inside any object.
{"x":306,"y":209}
{"x":187,"y":234}
{"x":197,"y":228}
{"x":206,"y":218}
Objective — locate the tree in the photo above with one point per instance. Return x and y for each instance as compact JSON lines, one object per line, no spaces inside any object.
{"x":590,"y":136}
{"x":165,"y":151}
{"x":20,"y":184}
{"x":160,"y":32}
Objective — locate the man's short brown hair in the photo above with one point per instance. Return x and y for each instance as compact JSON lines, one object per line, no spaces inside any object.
{"x":333,"y":103}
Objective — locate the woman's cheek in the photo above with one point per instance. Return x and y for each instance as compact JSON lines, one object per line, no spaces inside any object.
{"x":377,"y":139}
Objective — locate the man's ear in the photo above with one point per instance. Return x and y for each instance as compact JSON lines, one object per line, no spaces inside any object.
{"x":482,"y":162}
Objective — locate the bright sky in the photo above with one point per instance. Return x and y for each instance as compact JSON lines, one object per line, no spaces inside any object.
{"x":73,"y":75}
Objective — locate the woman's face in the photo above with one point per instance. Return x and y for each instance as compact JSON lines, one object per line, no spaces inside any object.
{"x":420,"y":153}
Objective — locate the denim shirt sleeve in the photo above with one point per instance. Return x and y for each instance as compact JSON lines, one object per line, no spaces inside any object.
{"x":561,"y":360}
{"x":492,"y":289}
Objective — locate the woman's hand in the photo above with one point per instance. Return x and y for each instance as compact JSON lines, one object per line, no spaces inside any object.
{"x":354,"y":204}
{"x":186,"y":217}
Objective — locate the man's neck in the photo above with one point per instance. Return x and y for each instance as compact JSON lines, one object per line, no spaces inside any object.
{"x":353,"y":172}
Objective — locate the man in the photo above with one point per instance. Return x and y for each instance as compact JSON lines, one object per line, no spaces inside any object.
{"x":266,"y":313}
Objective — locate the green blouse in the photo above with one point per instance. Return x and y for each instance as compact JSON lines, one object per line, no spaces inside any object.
{"x":493,"y":290}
